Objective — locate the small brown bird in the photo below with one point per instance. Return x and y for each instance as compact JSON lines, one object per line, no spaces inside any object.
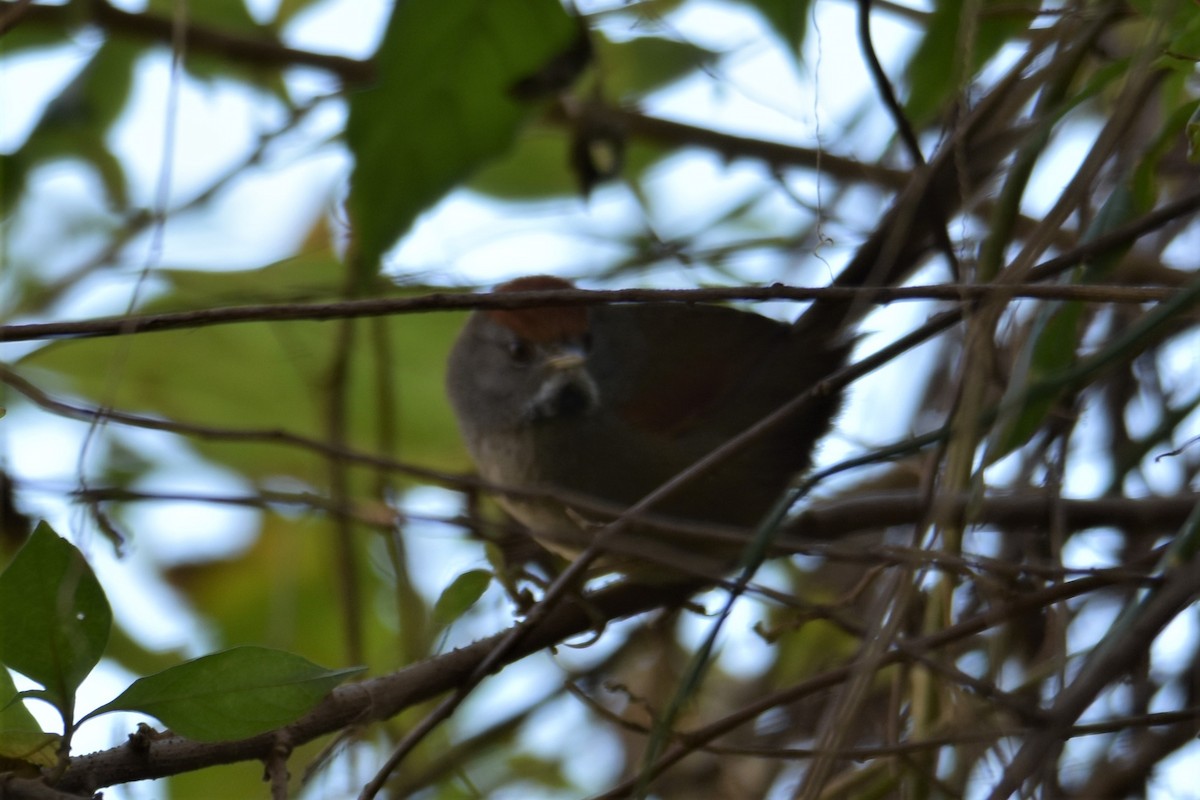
{"x":611,"y":401}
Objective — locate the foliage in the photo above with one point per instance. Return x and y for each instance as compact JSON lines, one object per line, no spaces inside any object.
{"x":1002,"y":558}
{"x":57,"y":624}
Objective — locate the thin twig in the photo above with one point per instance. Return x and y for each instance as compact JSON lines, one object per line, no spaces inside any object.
{"x":458,"y":301}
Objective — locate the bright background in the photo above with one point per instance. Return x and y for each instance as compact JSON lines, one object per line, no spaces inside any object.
{"x":687,"y":220}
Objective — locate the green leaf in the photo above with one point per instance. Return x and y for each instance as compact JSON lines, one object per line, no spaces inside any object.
{"x":75,"y":124}
{"x":22,"y":740}
{"x":787,"y":18}
{"x":232,"y":694}
{"x":634,"y":68}
{"x":32,"y":34}
{"x":443,"y":106}
{"x":1191,"y":134}
{"x":289,"y":10}
{"x":14,"y":716}
{"x":1128,"y":201}
{"x":950,"y":54}
{"x":1055,"y":334}
{"x":1051,"y":348}
{"x":539,"y":167}
{"x":462,"y":593}
{"x":268,"y":375}
{"x":56,"y":618}
{"x":229,"y":17}
{"x":307,"y":278}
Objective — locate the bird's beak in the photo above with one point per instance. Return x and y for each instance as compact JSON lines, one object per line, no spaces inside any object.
{"x":565,"y":359}
{"x":567,"y":389}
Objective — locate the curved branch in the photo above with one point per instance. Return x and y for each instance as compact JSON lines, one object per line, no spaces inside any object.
{"x":361,"y":703}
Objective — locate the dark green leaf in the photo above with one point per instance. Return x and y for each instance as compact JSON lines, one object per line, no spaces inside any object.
{"x":462,"y":593}
{"x":56,"y":618}
{"x":443,"y":105}
{"x":232,"y":694}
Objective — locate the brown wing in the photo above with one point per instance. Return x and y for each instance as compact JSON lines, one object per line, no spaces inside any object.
{"x":714,"y":369}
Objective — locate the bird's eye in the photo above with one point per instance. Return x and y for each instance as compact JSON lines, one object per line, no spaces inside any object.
{"x":520,"y":352}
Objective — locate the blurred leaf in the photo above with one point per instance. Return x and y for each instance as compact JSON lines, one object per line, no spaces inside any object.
{"x":941,"y":64}
{"x":231,"y":17}
{"x":31,"y":35}
{"x":93,"y":100}
{"x":442,"y":107}
{"x":288,"y":10}
{"x":232,"y":694}
{"x":266,"y":376}
{"x":306,"y":278}
{"x":76,"y":122}
{"x":1056,"y":333}
{"x":787,"y":18}
{"x":130,"y":654}
{"x":285,"y":576}
{"x":238,"y":780}
{"x":1180,"y":22}
{"x":538,"y":167}
{"x":1192,"y":136}
{"x":1053,"y":340}
{"x":1127,"y":202}
{"x":56,"y":618}
{"x":546,"y":772}
{"x":636,"y":67}
{"x":462,"y":593}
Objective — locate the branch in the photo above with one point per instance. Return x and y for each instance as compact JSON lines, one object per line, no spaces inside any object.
{"x":459,"y":301}
{"x":1107,"y":664}
{"x":263,"y":50}
{"x":729,"y":146}
{"x":692,"y":740}
{"x":362,"y":703}
{"x":382,"y":698}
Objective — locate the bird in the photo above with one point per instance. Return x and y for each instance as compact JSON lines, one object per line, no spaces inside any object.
{"x":578,"y":412}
